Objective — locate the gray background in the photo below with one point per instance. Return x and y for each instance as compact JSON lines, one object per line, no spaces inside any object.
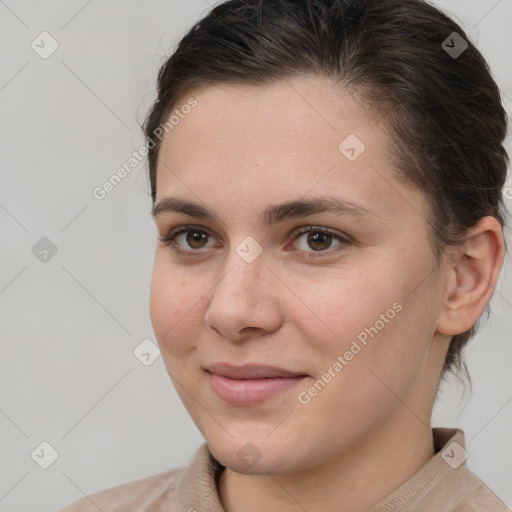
{"x":69,"y":326}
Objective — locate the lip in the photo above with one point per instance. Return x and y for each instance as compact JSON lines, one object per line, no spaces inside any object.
{"x":250,"y":371}
{"x":250,"y":384}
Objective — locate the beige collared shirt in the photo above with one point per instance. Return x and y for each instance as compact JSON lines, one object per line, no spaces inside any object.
{"x":443,"y":484}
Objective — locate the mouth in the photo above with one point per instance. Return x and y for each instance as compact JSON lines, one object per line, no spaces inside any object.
{"x":250,"y":384}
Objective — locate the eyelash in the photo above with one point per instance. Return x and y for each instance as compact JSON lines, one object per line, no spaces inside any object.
{"x":169,"y":240}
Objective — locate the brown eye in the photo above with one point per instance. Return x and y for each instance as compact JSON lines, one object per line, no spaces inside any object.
{"x":195,"y":239}
{"x":318,"y":241}
{"x":186,"y":239}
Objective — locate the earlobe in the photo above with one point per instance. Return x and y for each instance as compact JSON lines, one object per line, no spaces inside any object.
{"x":472,"y":277}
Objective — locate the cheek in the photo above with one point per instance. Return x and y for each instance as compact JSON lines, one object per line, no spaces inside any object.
{"x":348,"y":306}
{"x":367,"y":343}
{"x":175,"y":304}
{"x":382,"y":331}
{"x":367,"y":318}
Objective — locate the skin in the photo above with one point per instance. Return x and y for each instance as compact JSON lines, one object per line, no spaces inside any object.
{"x":240,"y":150}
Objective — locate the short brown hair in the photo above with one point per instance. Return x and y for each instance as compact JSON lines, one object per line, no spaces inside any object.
{"x":443,"y":110}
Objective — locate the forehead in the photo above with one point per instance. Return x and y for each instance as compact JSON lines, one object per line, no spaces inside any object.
{"x":280,"y":112}
{"x":250,"y":146}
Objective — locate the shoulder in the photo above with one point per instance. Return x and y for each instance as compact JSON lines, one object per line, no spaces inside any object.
{"x":460,"y":489}
{"x":155,"y":493}
{"x":481,"y":499}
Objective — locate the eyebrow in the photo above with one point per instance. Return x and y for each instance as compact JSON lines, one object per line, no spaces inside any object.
{"x":274,"y":213}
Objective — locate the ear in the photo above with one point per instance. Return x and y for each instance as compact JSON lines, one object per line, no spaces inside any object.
{"x":471,"y":277}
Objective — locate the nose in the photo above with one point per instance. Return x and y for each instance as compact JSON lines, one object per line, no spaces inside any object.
{"x":245,"y":299}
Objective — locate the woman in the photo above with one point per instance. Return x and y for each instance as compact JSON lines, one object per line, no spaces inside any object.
{"x":327,"y":184}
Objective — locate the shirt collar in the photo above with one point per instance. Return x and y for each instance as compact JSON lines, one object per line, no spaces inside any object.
{"x":196,"y":487}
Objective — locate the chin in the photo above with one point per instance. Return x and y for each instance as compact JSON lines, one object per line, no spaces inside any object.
{"x":251,"y":455}
{"x":246,"y":458}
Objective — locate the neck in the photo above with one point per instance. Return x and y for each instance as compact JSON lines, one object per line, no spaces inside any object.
{"x":357,"y":479}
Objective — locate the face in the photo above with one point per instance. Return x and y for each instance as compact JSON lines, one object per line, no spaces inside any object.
{"x":342,"y":302}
